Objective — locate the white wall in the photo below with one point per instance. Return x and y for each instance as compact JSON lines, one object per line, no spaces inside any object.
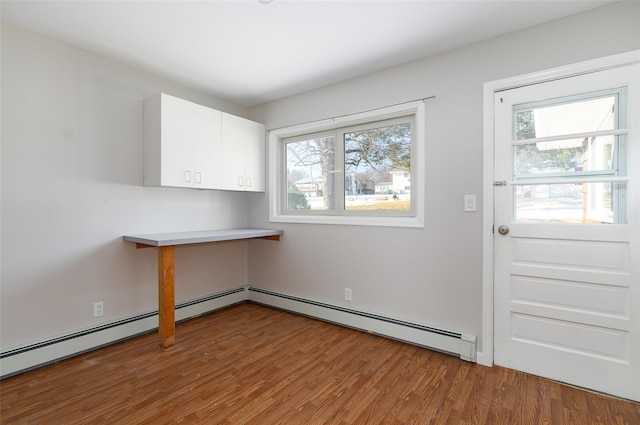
{"x":72,"y":186}
{"x":431,"y":275}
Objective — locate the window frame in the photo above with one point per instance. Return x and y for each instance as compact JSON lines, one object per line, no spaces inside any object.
{"x":277,"y":171}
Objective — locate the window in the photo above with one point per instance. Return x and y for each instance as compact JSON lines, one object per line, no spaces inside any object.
{"x":570,"y":159}
{"x":363,"y":169}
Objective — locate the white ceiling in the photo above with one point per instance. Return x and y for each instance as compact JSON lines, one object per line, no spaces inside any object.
{"x":248,"y":52}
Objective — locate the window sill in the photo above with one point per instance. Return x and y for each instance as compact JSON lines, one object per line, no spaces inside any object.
{"x":350,"y":220}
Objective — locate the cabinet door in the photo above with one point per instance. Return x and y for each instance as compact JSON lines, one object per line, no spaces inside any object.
{"x":190,"y":144}
{"x":177,"y":142}
{"x":205,"y":127}
{"x":254,"y":157}
{"x":238,"y":141}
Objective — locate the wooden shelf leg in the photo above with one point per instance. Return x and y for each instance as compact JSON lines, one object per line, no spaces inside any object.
{"x":166,"y":296}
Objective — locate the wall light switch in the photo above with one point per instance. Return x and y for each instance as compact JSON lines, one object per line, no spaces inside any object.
{"x":470,"y":203}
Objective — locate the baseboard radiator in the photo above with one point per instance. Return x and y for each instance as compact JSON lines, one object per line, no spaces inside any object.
{"x":28,"y":357}
{"x":458,"y":344}
{"x":53,"y":350}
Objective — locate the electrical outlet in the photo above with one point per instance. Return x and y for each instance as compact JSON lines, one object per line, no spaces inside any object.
{"x":348,"y":295}
{"x":98,"y":309}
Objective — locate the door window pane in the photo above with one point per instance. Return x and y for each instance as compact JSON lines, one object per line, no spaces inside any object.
{"x":378,"y":169}
{"x":595,"y":114}
{"x":558,"y":157}
{"x":586,"y":203}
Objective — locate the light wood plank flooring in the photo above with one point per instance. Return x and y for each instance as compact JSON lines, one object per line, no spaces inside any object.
{"x":250,"y":364}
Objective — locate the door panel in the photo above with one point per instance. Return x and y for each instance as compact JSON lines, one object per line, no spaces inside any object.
{"x":566,"y":283}
{"x":579,"y":297}
{"x":573,"y":338}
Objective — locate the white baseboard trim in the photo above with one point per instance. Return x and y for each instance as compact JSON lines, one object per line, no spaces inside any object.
{"x":53,"y":350}
{"x":459,"y":344}
{"x":31,"y":356}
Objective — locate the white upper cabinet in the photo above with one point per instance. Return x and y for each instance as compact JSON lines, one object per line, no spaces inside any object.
{"x":190,"y":145}
{"x":242,"y":154}
{"x":181,"y":143}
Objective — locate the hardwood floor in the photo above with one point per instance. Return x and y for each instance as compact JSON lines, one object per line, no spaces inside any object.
{"x":250,"y":364}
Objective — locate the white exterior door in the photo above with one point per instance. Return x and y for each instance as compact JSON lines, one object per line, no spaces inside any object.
{"x":567,"y":231}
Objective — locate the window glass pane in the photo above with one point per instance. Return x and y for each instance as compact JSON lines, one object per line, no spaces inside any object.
{"x":311,"y":174}
{"x":566,"y":118}
{"x":569,"y":203}
{"x":565,"y":156}
{"x":378,"y":168}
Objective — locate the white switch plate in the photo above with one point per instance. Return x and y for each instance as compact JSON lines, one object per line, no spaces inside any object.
{"x":470,"y":203}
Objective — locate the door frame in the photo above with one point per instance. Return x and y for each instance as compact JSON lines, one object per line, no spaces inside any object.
{"x":485,"y":357}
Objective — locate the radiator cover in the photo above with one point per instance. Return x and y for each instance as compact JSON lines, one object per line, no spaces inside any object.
{"x":458,"y":344}
{"x":24,"y":358}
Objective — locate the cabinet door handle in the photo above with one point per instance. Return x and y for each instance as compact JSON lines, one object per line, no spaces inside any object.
{"x":248,"y":181}
{"x":198,"y":177}
{"x":240,"y":181}
{"x":187,"y":176}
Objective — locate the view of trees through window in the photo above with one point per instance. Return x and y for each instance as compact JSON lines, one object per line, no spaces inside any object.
{"x":369,"y":169}
{"x":310,"y":176}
